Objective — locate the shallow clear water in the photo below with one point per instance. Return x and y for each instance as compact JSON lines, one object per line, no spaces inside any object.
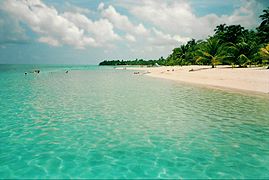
{"x":103,"y":123}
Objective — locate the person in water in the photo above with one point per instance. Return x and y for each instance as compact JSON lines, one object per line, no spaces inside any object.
{"x":36,"y":71}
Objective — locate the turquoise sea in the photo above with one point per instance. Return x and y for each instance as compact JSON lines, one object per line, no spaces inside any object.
{"x":98,"y":122}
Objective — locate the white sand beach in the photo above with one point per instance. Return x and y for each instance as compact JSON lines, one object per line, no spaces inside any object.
{"x":249,"y":79}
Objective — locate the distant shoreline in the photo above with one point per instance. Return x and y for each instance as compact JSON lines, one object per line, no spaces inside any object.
{"x":225,"y":77}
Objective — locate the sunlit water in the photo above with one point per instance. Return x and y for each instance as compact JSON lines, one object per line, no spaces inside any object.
{"x":104,"y":123}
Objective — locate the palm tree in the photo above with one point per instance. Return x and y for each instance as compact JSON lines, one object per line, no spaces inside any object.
{"x":211,"y":52}
{"x":220,"y":28}
{"x":179,"y":55}
{"x":241,"y":53}
{"x":264,"y":52}
{"x":192,"y":47}
{"x":263,"y":29}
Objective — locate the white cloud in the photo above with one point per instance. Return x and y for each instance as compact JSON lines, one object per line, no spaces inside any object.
{"x":141,"y":30}
{"x":161,"y":39}
{"x":101,"y":6}
{"x":130,"y":38}
{"x":46,"y":21}
{"x":101,"y":30}
{"x":245,"y":15}
{"x":152,"y":27}
{"x":75,"y":9}
{"x":177,"y":17}
{"x":49,"y":40}
{"x":120,"y":21}
{"x":141,"y":37}
{"x":54,"y":28}
{"x":11,"y":30}
{"x":170,"y":23}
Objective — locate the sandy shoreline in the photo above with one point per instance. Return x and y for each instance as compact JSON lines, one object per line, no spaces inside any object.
{"x":247,"y":79}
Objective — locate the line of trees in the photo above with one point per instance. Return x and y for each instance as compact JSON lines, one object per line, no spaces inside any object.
{"x":232,"y":45}
{"x":131,"y":62}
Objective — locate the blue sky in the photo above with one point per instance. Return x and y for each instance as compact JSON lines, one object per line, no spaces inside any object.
{"x":89,"y":31}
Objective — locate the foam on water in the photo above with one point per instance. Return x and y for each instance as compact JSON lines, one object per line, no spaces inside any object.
{"x":105,"y":123}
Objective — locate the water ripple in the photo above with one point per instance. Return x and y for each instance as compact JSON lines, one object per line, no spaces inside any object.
{"x":112,"y":124}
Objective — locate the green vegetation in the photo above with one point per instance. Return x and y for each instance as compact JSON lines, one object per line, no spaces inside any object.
{"x":211,"y":52}
{"x":265,"y":54}
{"x":133,"y":62}
{"x":230,"y":45}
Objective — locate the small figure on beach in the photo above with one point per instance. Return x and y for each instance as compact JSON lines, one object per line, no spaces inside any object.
{"x":66,"y":72}
{"x":136,"y":72}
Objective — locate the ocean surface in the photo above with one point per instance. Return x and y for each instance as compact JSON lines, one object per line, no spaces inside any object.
{"x":99,"y":122}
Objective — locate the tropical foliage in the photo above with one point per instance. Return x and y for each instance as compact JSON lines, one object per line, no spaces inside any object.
{"x":211,"y":52}
{"x":231,"y":45}
{"x":264,"y":52}
{"x":263,"y":29}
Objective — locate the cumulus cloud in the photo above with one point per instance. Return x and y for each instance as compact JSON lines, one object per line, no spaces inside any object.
{"x":71,"y":28}
{"x":149,"y":36}
{"x":130,"y":38}
{"x":101,"y":30}
{"x":161,"y":39}
{"x":49,"y":40}
{"x":120,"y":21}
{"x":46,"y":21}
{"x":101,"y":6}
{"x":150,"y":26}
{"x":11,"y":30}
{"x":172,"y":22}
{"x":177,"y":17}
{"x":75,"y":9}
